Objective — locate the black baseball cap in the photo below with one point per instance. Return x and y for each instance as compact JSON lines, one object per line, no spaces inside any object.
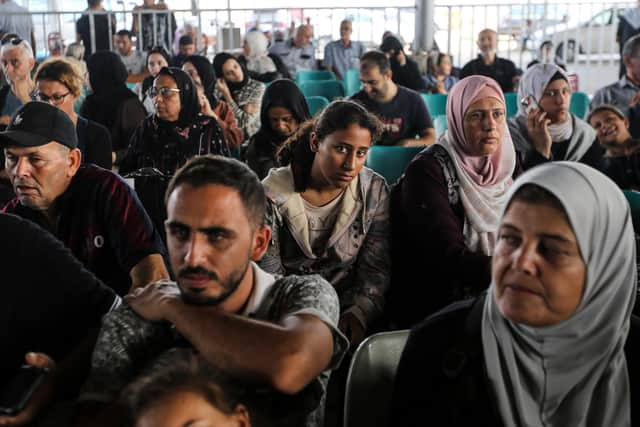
{"x":38,"y":123}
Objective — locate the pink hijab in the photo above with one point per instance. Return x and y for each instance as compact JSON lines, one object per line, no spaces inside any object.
{"x":484,"y":170}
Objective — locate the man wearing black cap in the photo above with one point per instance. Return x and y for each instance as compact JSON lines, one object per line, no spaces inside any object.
{"x":91,"y":210}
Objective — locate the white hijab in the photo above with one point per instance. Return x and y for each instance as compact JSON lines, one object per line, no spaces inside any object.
{"x":258,"y":59}
{"x":573,"y":373}
{"x":534,"y":81}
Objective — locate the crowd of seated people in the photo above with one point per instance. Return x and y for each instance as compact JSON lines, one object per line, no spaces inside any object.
{"x":273,"y":250}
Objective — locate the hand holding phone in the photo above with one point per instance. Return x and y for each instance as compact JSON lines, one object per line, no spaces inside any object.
{"x":530,"y":103}
{"x":16,"y":393}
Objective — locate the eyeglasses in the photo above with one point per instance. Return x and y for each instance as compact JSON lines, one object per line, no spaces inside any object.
{"x":164,"y":92}
{"x":14,"y":39}
{"x":55,"y":99}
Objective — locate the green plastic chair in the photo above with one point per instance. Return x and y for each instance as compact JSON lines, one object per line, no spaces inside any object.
{"x":351,"y":82}
{"x":390,"y":162}
{"x":633,"y":197}
{"x":330,"y":89}
{"x":316,"y":104}
{"x":312,"y":75}
{"x":511,"y":98}
{"x":370,"y":379}
{"x":579,"y":105}
{"x":440,"y":124}
{"x":436,"y":103}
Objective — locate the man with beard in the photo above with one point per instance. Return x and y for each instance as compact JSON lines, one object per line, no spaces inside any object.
{"x":406,"y":120}
{"x":279,"y":334}
{"x":488,"y":64}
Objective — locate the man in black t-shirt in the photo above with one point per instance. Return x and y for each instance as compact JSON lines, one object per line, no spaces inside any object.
{"x":49,"y":303}
{"x":488,"y":64}
{"x":101,"y":28}
{"x":402,"y":111}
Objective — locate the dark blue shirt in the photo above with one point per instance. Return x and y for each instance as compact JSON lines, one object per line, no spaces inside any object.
{"x":405,"y":116}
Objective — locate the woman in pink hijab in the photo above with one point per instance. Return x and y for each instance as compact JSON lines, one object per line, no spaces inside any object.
{"x":445,"y":210}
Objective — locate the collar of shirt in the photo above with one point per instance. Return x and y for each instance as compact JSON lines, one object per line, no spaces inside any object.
{"x":262,"y":283}
{"x":624,"y":82}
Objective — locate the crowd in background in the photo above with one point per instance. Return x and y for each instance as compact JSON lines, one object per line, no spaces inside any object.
{"x":189,"y":241}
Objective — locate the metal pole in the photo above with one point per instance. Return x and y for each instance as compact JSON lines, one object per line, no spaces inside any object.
{"x":232,"y":40}
{"x":425,"y":17}
{"x":92,"y":31}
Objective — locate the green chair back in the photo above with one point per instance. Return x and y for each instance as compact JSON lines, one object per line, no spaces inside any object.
{"x":311,"y":75}
{"x":436,"y":103}
{"x":370,"y":380}
{"x":390,"y":162}
{"x":330,"y":89}
{"x":633,"y":197}
{"x":511,"y":98}
{"x":579,"y":105}
{"x":351,"y":81}
{"x":316,"y":104}
{"x":440,"y":124}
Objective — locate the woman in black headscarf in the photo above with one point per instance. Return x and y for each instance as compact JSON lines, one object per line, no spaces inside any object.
{"x":177,"y":132}
{"x":111,"y":103}
{"x":283,"y":109}
{"x":201,"y":71}
{"x":404,"y":70}
{"x":241,"y":92}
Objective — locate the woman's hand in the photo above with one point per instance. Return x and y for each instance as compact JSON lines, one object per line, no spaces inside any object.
{"x":538,"y":127}
{"x":40,"y":398}
{"x":205,"y":107}
{"x":222,"y":87}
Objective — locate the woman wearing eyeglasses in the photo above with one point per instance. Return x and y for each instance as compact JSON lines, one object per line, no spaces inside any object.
{"x":59,"y":83}
{"x":176,"y":132}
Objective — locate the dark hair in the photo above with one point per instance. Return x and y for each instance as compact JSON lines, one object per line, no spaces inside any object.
{"x":536,"y":195}
{"x":557,"y":76}
{"x":185,"y":40}
{"x":375,"y":58}
{"x":93,"y":3}
{"x":161,"y":51}
{"x":125,"y":33}
{"x":180,"y":370}
{"x":210,"y":169}
{"x":432,"y":62}
{"x":338,"y":115}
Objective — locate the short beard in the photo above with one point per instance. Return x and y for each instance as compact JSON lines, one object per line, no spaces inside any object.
{"x":229,"y":286}
{"x":488,"y":53}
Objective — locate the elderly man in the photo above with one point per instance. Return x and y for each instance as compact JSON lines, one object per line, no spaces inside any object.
{"x":90,"y":209}
{"x":623,"y":93}
{"x":344,"y":54}
{"x":402,"y":111}
{"x":17,"y":63}
{"x":297,"y":53}
{"x":489,"y":64}
{"x":275,"y":333}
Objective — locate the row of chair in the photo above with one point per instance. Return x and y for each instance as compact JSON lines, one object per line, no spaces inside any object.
{"x":437,"y":103}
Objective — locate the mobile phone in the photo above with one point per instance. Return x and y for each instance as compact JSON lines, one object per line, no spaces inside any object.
{"x":530,"y":103}
{"x":15,"y":394}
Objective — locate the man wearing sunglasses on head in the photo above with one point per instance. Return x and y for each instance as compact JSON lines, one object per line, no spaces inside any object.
{"x":17,"y":61}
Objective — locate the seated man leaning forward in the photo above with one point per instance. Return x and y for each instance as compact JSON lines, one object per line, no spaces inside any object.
{"x":272,"y":331}
{"x":90,"y":209}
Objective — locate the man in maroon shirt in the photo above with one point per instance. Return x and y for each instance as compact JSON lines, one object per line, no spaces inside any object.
{"x":91,"y":210}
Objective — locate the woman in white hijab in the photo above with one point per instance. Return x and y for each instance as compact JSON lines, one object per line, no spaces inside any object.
{"x":545,"y":130}
{"x":256,"y":58}
{"x":551,"y":343}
